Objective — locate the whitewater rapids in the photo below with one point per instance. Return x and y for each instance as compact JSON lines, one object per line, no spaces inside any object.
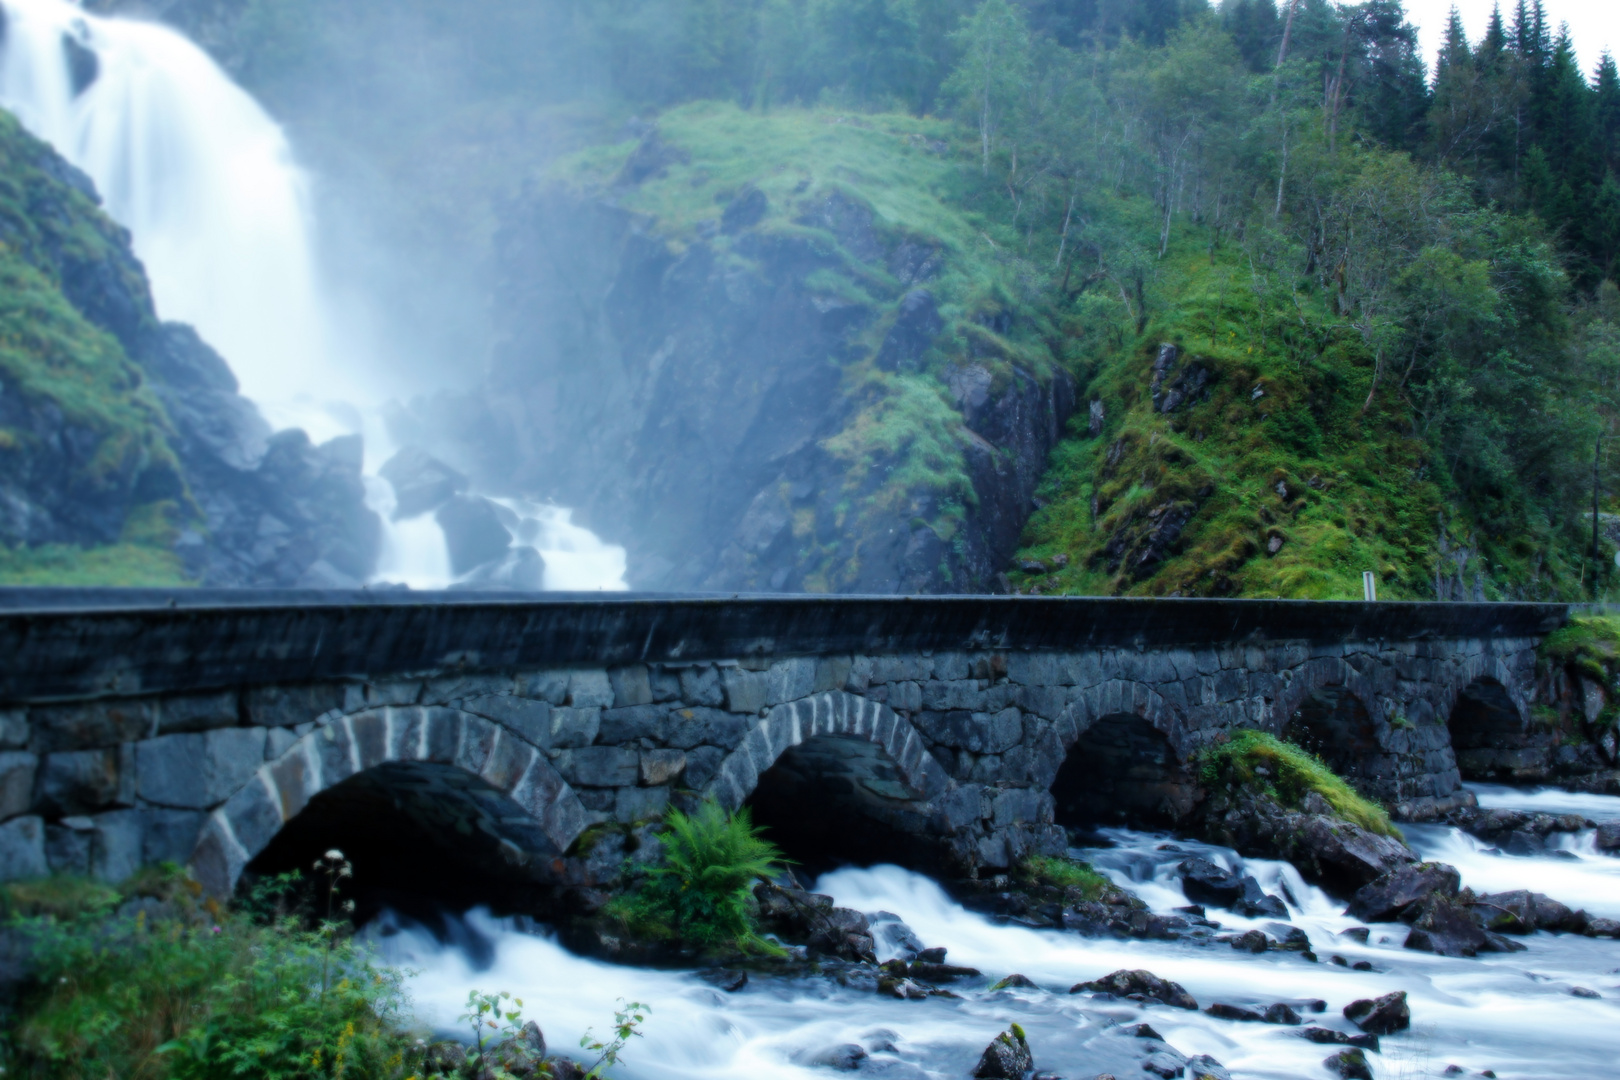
{"x":1510,"y":1013}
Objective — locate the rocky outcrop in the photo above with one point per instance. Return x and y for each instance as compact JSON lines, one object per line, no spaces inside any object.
{"x":153,"y":440}
{"x":777,"y":400}
{"x":1340,"y":855}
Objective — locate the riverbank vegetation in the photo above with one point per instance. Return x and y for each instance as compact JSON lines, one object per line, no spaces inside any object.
{"x":700,"y":897}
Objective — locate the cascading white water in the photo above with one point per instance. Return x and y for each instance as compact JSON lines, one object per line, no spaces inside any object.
{"x":221,"y":215}
{"x":1510,"y":1013}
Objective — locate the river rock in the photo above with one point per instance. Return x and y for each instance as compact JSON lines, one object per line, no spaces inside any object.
{"x":1240,"y":1013}
{"x":1608,"y":836}
{"x":1166,"y":1063}
{"x":1337,"y":854}
{"x":1446,"y":928}
{"x":1206,"y":883}
{"x":1380,"y":1016}
{"x":1605,"y":928}
{"x":1006,"y":1058}
{"x":1339,"y":1038}
{"x":1282,"y":1014}
{"x":1524,"y":912}
{"x":727,"y":979}
{"x":1252,"y":941}
{"x":1403,"y":890}
{"x":846,"y":1057}
{"x":1139,"y":985}
{"x":1015,"y":982}
{"x":473,"y":532}
{"x":421,"y":482}
{"x":1204,"y":1067}
{"x":895,"y":934}
{"x":1350,"y":1064}
{"x":936,"y":973}
{"x":522,"y":1055}
{"x":812,"y":919}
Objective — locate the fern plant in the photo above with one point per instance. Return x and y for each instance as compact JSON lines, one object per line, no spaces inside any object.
{"x":700,"y":895}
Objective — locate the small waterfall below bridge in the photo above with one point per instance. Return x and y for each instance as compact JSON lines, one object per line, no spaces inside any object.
{"x":221,"y":215}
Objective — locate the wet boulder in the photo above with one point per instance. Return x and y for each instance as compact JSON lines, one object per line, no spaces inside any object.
{"x":523,"y":1055}
{"x":1447,"y":928}
{"x":1608,"y":837}
{"x":1006,"y":1058}
{"x":1349,"y":1064}
{"x":1204,"y":1067}
{"x":1206,"y":883}
{"x":1404,"y":890}
{"x":845,"y":1057}
{"x":1165,"y":1063}
{"x":1521,"y":911}
{"x":813,"y":920}
{"x":1014,"y":982}
{"x":473,"y":532}
{"x":1240,"y":1013}
{"x":1139,"y":985}
{"x":1281,"y":1013}
{"x":1380,"y":1016}
{"x":1330,"y":1037}
{"x":421,"y":482}
{"x":1252,"y":941}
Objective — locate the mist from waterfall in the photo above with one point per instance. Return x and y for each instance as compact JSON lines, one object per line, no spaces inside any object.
{"x":222,"y":217}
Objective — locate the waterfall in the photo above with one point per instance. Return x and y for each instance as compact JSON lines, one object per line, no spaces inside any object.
{"x":221,"y":214}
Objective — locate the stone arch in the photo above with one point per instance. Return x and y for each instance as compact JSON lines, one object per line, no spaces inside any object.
{"x":1337,"y":725}
{"x":376,"y":739}
{"x":836,"y":714}
{"x":837,"y":779}
{"x":1489,"y":726}
{"x":1122,"y":770}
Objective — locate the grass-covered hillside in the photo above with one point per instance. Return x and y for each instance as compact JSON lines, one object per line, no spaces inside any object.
{"x":806,"y":177}
{"x":89,"y":482}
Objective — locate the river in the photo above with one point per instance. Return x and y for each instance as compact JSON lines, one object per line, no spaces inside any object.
{"x":1513,"y":1014}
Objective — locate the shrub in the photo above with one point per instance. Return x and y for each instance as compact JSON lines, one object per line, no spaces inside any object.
{"x":1255,"y":760}
{"x":1590,"y":644}
{"x":700,"y":896}
{"x":173,"y":987}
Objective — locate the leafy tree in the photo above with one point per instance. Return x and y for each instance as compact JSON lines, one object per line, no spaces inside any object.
{"x":995,"y":49}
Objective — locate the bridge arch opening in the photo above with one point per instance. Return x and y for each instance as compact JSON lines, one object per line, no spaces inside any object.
{"x":424,"y":838}
{"x":1122,"y":771}
{"x":840,"y":800}
{"x":1484,"y":723}
{"x":1336,"y":725}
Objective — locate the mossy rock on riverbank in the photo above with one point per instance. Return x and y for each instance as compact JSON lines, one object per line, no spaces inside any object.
{"x":1265,"y":764}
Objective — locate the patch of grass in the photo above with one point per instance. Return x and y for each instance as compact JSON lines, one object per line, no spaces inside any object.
{"x":118,"y":564}
{"x":700,"y":896}
{"x":1262,"y":762}
{"x":1063,"y":874}
{"x":1588,"y":643}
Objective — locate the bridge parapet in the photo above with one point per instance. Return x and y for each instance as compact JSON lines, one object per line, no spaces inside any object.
{"x":197,"y":727}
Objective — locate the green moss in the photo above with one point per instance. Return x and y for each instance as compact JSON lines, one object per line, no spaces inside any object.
{"x":1589,"y":643}
{"x":1262,"y":762}
{"x":1063,"y":874}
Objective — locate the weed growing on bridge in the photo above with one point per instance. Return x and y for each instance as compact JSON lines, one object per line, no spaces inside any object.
{"x":1261,"y":762}
{"x":700,"y":896}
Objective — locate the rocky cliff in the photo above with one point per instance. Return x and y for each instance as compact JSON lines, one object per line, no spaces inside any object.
{"x":122,"y":432}
{"x":742,"y":348}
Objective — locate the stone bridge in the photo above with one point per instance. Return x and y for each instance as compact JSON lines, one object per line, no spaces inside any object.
{"x":237,"y":731}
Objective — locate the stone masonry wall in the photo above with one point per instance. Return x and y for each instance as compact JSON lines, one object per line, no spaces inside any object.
{"x":103,"y":786}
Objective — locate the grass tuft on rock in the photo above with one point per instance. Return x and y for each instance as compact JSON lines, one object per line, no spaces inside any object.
{"x":1064,"y":874}
{"x":1265,"y":763}
{"x":701,"y":896}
